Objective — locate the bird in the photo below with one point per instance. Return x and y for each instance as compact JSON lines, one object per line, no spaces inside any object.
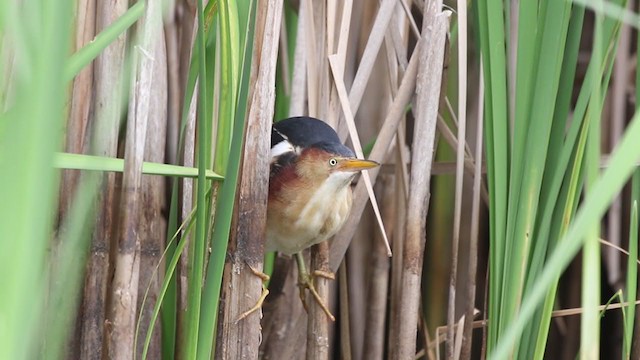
{"x":310,"y":195}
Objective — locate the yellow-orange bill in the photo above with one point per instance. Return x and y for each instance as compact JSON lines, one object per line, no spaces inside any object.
{"x":357,"y":164}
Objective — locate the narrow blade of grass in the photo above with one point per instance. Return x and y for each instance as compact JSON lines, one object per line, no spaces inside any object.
{"x":101,"y":163}
{"x":632,"y":274}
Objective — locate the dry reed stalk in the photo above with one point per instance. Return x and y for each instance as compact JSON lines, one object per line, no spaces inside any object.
{"x":318,"y":324}
{"x":284,"y":318}
{"x":75,"y":134}
{"x":392,"y":62}
{"x":320,"y":64}
{"x":351,"y":277}
{"x":460,"y":160}
{"x":241,"y":339}
{"x":396,"y":261}
{"x":467,"y":338}
{"x":469,"y":161}
{"x":124,"y":291}
{"x":322,"y":32}
{"x":319,"y":93}
{"x":299,"y":77}
{"x":338,"y":49}
{"x":80,"y":101}
{"x":403,"y":156}
{"x":152,"y":224}
{"x":435,"y":29}
{"x":283,"y":57}
{"x":174,"y":95}
{"x":378,"y":279}
{"x":310,"y":28}
{"x":108,"y":72}
{"x":345,"y":328}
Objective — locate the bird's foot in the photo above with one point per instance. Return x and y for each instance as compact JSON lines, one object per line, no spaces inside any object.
{"x":325,"y":274}
{"x":305,"y":281}
{"x":264,"y":277}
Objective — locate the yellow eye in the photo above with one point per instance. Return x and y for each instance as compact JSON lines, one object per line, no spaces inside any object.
{"x":333,"y":162}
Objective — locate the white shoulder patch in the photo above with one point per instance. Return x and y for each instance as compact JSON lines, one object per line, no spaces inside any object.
{"x":280,"y":148}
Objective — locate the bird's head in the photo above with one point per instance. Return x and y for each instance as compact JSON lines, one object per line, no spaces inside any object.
{"x":330,"y":162}
{"x":309,"y":149}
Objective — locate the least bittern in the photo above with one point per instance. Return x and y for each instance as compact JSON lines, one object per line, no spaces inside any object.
{"x":309,"y":190}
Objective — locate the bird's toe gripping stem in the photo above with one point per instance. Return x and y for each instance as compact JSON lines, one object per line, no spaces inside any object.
{"x":264,"y":277}
{"x":305,"y":281}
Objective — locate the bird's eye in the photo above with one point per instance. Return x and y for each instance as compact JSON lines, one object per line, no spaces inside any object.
{"x":333,"y":162}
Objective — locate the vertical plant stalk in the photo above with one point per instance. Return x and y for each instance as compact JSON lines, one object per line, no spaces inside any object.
{"x":81,"y":99}
{"x":182,"y":272}
{"x":618,"y":114}
{"x":632,"y":269}
{"x":345,"y":322}
{"x":241,"y":339}
{"x":460,"y":155}
{"x":299,"y":77}
{"x":374,"y":336}
{"x":284,"y":335}
{"x":467,"y":337}
{"x":435,"y":29}
{"x":108,"y":85}
{"x":77,"y":123}
{"x":318,"y":325}
{"x":195,"y":266}
{"x":396,"y":261}
{"x":491,"y":34}
{"x":319,"y":94}
{"x":152,"y":225}
{"x":284,"y":318}
{"x":333,"y":111}
{"x":590,"y":318}
{"x":122,"y":309}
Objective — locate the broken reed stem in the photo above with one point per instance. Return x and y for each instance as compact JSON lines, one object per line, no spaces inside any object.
{"x":396,"y":113}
